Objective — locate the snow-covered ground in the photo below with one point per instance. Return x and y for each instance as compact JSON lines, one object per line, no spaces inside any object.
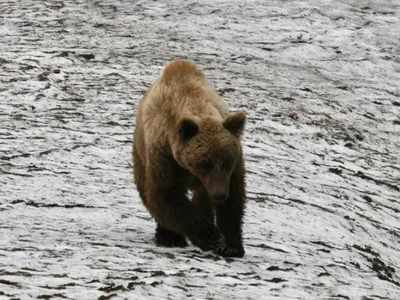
{"x":320,"y":81}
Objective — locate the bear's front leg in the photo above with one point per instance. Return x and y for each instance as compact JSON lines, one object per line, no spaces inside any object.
{"x":176,"y":214}
{"x":167,"y":202}
{"x":202,"y":201}
{"x":230,"y":215}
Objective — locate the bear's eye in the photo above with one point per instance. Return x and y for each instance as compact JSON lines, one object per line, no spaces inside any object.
{"x":206,"y":166}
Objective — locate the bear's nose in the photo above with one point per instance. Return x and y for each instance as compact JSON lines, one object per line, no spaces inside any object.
{"x":220,"y":196}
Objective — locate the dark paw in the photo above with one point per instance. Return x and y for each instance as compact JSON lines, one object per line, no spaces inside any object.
{"x":229,"y":251}
{"x":203,"y":244}
{"x":166,"y":238}
{"x":207,"y":240}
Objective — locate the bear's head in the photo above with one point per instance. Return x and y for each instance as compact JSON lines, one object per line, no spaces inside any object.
{"x":210,"y":148}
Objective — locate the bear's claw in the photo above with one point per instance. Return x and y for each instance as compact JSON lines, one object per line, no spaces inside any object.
{"x":208,"y":239}
{"x":229,"y":251}
{"x":204,"y":243}
{"x":166,"y":238}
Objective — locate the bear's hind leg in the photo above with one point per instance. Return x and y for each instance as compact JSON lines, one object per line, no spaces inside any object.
{"x":139,"y":174}
{"x":168,"y":238}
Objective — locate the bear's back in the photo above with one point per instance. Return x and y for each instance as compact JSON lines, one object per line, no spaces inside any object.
{"x":181,"y":92}
{"x":181,"y":72}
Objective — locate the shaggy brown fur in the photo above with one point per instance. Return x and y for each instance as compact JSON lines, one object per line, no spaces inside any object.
{"x":186,"y":139}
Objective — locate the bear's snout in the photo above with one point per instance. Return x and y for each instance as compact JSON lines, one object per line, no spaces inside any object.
{"x":220,"y":196}
{"x":218,"y":187}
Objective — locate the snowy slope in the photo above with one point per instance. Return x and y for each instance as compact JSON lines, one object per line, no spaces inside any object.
{"x":320,"y":81}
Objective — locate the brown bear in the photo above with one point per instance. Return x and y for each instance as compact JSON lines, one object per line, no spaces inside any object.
{"x":186,"y":139}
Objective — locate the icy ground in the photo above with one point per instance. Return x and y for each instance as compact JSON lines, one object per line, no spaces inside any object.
{"x":320,"y":81}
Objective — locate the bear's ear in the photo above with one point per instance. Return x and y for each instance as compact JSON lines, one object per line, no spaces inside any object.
{"x":187,"y":129}
{"x":235,"y":123}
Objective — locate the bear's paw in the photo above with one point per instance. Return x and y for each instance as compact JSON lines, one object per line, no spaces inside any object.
{"x":229,"y":251}
{"x":166,"y":238}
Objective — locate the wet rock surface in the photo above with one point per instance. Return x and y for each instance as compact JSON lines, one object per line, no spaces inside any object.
{"x":320,"y":82}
